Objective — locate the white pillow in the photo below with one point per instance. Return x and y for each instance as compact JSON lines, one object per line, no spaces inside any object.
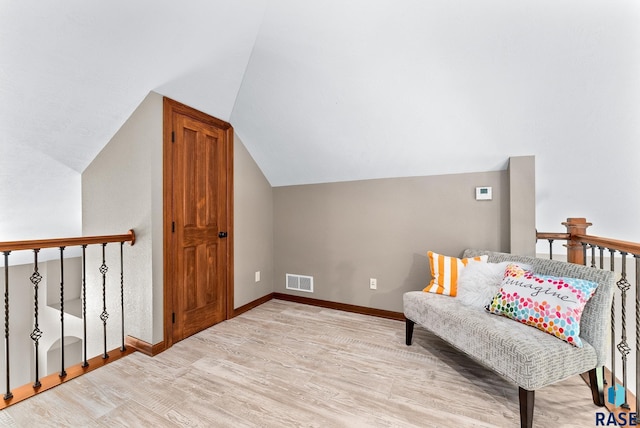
{"x":479,"y":282}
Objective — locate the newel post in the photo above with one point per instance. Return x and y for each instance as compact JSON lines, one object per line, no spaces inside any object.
{"x":575,"y":226}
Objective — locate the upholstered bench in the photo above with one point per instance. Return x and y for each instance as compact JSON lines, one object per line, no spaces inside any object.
{"x":522,"y":354}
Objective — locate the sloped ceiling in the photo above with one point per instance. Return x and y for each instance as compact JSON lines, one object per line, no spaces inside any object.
{"x":73,"y":71}
{"x":353,"y":90}
{"x":343,"y":90}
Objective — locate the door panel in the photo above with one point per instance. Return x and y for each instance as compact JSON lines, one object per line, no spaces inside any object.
{"x":200,"y":268}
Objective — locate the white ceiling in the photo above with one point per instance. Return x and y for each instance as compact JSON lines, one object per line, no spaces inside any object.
{"x":73,"y":71}
{"x":354,"y":90}
{"x":336,"y":90}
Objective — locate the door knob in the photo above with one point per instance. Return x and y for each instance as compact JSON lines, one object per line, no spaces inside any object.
{"x":222,"y":234}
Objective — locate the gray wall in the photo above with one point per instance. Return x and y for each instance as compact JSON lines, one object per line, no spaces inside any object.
{"x":121,"y":190}
{"x":522,"y":205}
{"x":253,"y":228}
{"x":342,"y":234}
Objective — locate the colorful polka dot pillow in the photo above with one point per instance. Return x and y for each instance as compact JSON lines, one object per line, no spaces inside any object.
{"x":445,"y":271}
{"x":551,"y":304}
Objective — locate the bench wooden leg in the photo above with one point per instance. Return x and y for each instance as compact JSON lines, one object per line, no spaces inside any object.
{"x":596,"y":381}
{"x":409,"y":331}
{"x":526,"y":408}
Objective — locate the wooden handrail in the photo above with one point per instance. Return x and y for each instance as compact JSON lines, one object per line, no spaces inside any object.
{"x":613,"y":244}
{"x":66,"y":242}
{"x":554,"y":236}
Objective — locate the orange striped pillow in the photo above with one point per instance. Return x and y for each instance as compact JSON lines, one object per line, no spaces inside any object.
{"x":445,"y":271}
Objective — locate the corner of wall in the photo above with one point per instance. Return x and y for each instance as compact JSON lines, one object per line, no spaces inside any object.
{"x":522,"y":205}
{"x":253,"y":229}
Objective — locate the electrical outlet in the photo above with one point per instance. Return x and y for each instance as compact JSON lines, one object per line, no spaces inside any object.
{"x":257,"y":276}
{"x":373,"y":283}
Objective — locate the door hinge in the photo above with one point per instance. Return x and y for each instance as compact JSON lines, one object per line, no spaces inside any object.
{"x":173,"y":318}
{"x":173,"y":137}
{"x":173,"y":226}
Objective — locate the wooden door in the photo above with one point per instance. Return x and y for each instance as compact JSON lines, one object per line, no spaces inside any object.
{"x":198,"y":168}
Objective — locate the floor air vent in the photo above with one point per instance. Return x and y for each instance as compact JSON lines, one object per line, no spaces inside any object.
{"x":300,"y":282}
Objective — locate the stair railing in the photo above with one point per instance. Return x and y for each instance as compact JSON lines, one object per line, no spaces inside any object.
{"x":6,"y":249}
{"x":593,"y":251}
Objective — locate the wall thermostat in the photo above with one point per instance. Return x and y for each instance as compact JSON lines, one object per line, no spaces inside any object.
{"x":483,"y":194}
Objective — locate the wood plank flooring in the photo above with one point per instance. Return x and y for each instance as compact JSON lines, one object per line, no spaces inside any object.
{"x":285,"y":364}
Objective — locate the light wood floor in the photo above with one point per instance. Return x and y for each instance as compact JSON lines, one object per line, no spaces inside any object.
{"x":285,"y":364}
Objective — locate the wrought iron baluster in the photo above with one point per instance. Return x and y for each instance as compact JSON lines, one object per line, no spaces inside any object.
{"x":623,"y":346}
{"x":8,"y":395}
{"x":601,"y":257}
{"x":550,"y":248}
{"x":601,"y":250}
{"x":104,"y":315}
{"x":36,"y":334}
{"x":122,"y":348}
{"x":85,"y":363}
{"x":637,"y":257}
{"x":593,"y":255}
{"x":584,"y":253}
{"x":63,"y":372}
{"x":612,"y":263}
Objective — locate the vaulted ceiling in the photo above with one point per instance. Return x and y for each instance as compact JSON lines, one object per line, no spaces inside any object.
{"x":334,"y":90}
